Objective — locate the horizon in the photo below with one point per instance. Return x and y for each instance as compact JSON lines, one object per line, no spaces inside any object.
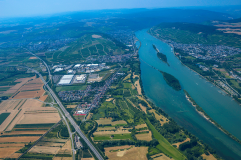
{"x":15,"y":9}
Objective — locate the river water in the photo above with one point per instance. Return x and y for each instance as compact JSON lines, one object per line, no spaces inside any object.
{"x":214,"y":102}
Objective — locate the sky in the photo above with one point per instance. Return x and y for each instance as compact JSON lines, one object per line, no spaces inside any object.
{"x":21,"y":8}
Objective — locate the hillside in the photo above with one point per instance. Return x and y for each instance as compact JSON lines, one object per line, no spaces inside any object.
{"x":189,"y":33}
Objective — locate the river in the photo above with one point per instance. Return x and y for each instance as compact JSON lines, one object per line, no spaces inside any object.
{"x":214,"y":101}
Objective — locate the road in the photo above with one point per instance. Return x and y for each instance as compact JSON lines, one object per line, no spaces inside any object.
{"x":65,"y":112}
{"x":52,"y":104}
{"x":71,"y":120}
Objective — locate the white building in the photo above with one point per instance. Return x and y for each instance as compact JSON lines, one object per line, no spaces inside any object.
{"x":80,"y":78}
{"x":70,"y":71}
{"x":77,"y":65}
{"x":58,"y":69}
{"x":66,"y":79}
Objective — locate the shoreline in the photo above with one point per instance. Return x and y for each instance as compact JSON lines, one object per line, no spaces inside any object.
{"x":202,"y":113}
{"x":228,"y":94}
{"x":205,"y":116}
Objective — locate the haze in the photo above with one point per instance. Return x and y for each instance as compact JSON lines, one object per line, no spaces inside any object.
{"x":19,"y":8}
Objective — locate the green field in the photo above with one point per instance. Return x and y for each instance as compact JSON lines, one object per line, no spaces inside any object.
{"x":71,"y":88}
{"x":114,"y":136}
{"x":4,"y":88}
{"x":164,"y":145}
{"x":122,"y":136}
{"x":188,"y":33}
{"x":3,"y":116}
{"x":34,"y":125}
{"x":102,"y":138}
{"x":10,"y":80}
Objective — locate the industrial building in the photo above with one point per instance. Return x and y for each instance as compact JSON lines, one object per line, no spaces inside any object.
{"x":58,"y":69}
{"x":66,"y":80}
{"x":70,"y":71}
{"x":77,"y":66}
{"x":80,"y":78}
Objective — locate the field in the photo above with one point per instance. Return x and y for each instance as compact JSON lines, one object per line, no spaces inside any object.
{"x":142,"y":107}
{"x":23,"y":139}
{"x":28,"y":87}
{"x":137,"y":84}
{"x":140,"y":126}
{"x":3,"y":116}
{"x":20,"y":82}
{"x":109,"y":121}
{"x":66,"y":149}
{"x":144,"y":136}
{"x":160,"y":156}
{"x":110,"y":99}
{"x":161,"y":118}
{"x":208,"y":157}
{"x":120,"y":130}
{"x":9,"y":152}
{"x":70,"y":88}
{"x":55,"y":144}
{"x":179,"y":143}
{"x":28,"y":94}
{"x":71,"y":106}
{"x":27,"y":121}
{"x":126,"y":152}
{"x":43,"y":98}
{"x":164,"y":145}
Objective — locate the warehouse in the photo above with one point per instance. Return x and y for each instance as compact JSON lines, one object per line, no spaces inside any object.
{"x":66,"y":80}
{"x":80,"y":78}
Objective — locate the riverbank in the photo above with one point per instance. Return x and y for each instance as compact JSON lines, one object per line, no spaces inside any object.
{"x":200,"y":110}
{"x":238,"y":102}
{"x":219,"y":106}
{"x":208,"y":118}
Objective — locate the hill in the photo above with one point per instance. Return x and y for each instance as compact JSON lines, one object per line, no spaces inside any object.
{"x":189,"y":33}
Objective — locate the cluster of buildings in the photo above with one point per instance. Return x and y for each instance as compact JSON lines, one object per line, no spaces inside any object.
{"x":82,"y":109}
{"x":75,"y":95}
{"x":66,"y":80}
{"x":84,"y":68}
{"x":60,"y":67}
{"x":204,"y":68}
{"x":70,"y":79}
{"x":49,"y":45}
{"x":234,"y":75}
{"x":206,"y":52}
{"x":89,"y":68}
{"x":226,"y":87}
{"x":123,"y":36}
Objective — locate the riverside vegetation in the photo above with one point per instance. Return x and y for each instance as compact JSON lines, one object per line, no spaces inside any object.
{"x":128,"y":114}
{"x":200,"y":110}
{"x":160,"y":55}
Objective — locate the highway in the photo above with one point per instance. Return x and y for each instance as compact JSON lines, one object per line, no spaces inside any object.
{"x":77,"y":128}
{"x":67,"y":115}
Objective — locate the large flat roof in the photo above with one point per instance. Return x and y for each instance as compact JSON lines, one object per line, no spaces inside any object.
{"x":64,"y":81}
{"x":67,"y":77}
